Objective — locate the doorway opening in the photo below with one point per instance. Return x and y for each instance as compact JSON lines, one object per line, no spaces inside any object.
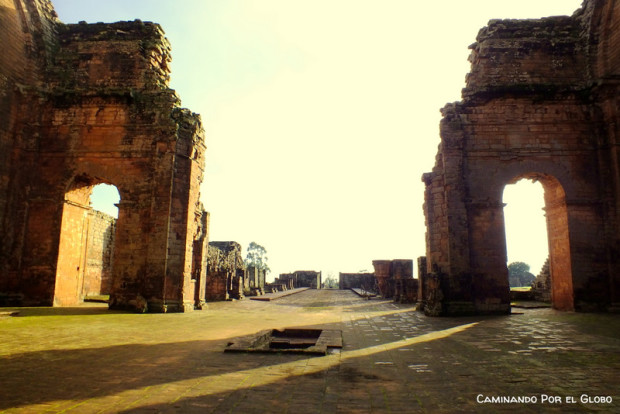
{"x":526,"y":231}
{"x":530,"y":209}
{"x":86,"y":248}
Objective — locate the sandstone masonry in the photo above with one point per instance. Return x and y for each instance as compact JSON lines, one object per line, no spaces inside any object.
{"x":542,"y":103}
{"x":86,"y":104}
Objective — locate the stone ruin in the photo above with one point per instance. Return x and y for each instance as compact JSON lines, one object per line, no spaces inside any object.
{"x":395,"y":280}
{"x":226,"y":271}
{"x":297,"y":279}
{"x":81,"y":105}
{"x":88,"y":104}
{"x":541,"y":102}
{"x":228,"y":277}
{"x":255,"y":279}
{"x":541,"y":287}
{"x":364,"y":281}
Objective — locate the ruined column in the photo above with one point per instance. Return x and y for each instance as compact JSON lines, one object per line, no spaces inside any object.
{"x":382,"y":273}
{"x":402,"y":274}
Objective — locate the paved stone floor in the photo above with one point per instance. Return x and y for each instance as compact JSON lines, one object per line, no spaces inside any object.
{"x":394,"y":360}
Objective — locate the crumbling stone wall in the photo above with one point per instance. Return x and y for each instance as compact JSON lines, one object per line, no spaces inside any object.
{"x":300,"y":278}
{"x":82,"y":105}
{"x":226,"y":271}
{"x":26,"y":30}
{"x":284,"y":281}
{"x":541,"y":287}
{"x":364,"y":281}
{"x":395,"y":280}
{"x":540,"y":103}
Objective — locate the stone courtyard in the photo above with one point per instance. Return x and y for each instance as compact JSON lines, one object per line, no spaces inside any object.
{"x":91,"y":360}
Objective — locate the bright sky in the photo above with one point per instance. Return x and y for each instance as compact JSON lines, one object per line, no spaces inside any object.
{"x":321,"y":116}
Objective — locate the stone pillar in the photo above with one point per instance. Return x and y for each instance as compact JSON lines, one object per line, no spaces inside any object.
{"x":590,"y":285}
{"x":487,"y":287}
{"x":401,"y":272}
{"x":422,"y":273}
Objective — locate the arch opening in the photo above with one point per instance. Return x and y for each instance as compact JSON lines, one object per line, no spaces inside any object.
{"x":526,"y":240}
{"x":86,"y":246}
{"x":526,"y":231}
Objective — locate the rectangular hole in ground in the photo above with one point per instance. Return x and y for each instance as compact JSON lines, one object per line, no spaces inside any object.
{"x":294,"y":338}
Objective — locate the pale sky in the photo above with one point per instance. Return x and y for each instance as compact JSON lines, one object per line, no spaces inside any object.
{"x":321,"y":117}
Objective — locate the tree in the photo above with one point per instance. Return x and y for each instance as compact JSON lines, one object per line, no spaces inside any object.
{"x":257,"y":257}
{"x":519,"y":274}
{"x":330,"y":282}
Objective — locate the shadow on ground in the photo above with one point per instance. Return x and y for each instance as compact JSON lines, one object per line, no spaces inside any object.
{"x":79,"y":374}
{"x":393,"y":360}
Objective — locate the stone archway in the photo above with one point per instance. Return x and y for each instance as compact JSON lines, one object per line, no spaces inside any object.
{"x":88,"y":103}
{"x":530,"y":106}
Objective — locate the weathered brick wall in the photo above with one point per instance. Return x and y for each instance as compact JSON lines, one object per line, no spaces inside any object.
{"x":525,"y":54}
{"x":604,"y":17}
{"x":70,"y":266}
{"x":12,"y":61}
{"x":26,"y":29}
{"x":356,"y":280}
{"x":99,"y":254}
{"x":113,"y":56}
{"x":217,"y":286}
{"x":395,"y":279}
{"x":85,"y":264}
{"x":531,"y":109}
{"x":186,"y":209}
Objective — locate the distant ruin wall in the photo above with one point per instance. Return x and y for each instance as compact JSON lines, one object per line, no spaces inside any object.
{"x":225,"y":271}
{"x":300,"y":278}
{"x":364,"y":281}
